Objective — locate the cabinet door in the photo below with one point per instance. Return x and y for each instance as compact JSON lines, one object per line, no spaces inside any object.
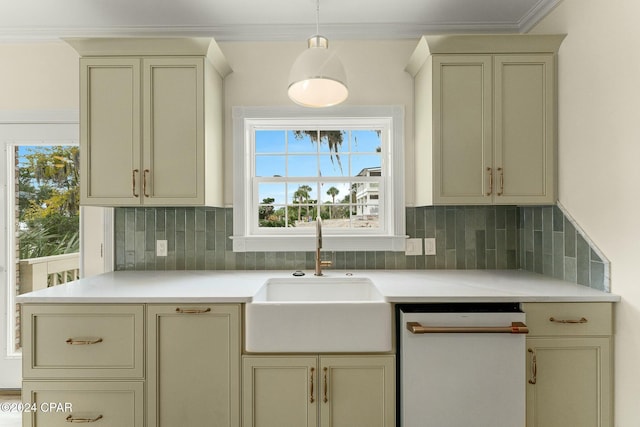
{"x":280,"y":391}
{"x":193,"y":365}
{"x":462,"y":129}
{"x":571,"y":382}
{"x":357,"y":391}
{"x":110,"y":131}
{"x":524,"y":129}
{"x":173,"y":167}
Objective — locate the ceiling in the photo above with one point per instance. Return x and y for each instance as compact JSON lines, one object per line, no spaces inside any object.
{"x":249,"y":20}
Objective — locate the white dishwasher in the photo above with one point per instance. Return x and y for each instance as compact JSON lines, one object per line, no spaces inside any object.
{"x":461,"y":365}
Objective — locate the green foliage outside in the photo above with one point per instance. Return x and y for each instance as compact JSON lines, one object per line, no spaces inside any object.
{"x":49,"y":200}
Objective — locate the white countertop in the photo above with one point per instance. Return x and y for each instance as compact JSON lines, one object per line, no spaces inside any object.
{"x":398,"y":286}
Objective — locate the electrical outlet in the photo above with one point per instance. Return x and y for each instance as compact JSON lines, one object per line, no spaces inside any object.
{"x":161,"y":248}
{"x":413,"y":247}
{"x":430,"y":246}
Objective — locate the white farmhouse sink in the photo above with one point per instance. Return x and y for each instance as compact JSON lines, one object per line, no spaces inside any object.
{"x":318,"y":315}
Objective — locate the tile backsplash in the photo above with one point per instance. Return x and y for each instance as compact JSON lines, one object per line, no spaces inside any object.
{"x":539,"y":239}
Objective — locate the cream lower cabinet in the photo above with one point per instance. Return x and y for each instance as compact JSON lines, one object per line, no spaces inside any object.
{"x":326,"y":391}
{"x":193,"y":365}
{"x":83,"y":363}
{"x":569,"y":365}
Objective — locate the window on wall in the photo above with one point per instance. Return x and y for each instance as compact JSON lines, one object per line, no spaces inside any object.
{"x":292,"y":170}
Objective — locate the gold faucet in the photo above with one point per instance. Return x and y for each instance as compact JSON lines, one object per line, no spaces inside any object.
{"x":319,"y":262}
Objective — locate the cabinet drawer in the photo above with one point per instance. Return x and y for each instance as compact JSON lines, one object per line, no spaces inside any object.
{"x":83,"y":341}
{"x":109,"y":404}
{"x":568,"y":318}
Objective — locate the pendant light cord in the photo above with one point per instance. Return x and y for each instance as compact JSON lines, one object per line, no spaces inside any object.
{"x":317,"y":17}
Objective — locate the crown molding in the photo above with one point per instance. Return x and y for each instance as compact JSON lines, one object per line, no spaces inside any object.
{"x":536,"y":14}
{"x":259,"y":32}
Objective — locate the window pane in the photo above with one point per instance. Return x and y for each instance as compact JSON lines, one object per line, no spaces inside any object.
{"x":302,"y":141}
{"x":366,"y":165}
{"x":334,"y":165}
{"x":333,"y":141}
{"x":303,"y":198}
{"x":366,"y":141}
{"x":269,"y":193}
{"x":270,"y":215}
{"x":270,"y":165}
{"x":367,"y":216}
{"x":302,"y":165}
{"x":270,"y":141}
{"x":334,"y":192}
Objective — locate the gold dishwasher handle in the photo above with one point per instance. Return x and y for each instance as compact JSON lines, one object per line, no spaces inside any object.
{"x":71,"y":419}
{"x":515,"y":328}
{"x":83,"y":341}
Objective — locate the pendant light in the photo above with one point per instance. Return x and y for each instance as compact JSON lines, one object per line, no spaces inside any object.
{"x":317,"y":77}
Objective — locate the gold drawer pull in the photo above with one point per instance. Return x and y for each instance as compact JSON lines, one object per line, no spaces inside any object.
{"x":193,"y":310}
{"x":515,"y":328}
{"x":325,"y":397}
{"x":83,"y":341}
{"x":71,"y":419}
{"x":311,"y":375}
{"x":133,"y":182}
{"x":581,"y":320}
{"x":534,"y":367}
{"x":490,"y":172}
{"x":144,"y":182}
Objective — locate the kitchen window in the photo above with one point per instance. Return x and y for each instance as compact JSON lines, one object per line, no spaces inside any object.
{"x":292,"y":165}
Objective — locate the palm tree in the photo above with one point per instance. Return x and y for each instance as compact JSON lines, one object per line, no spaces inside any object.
{"x":301,"y":195}
{"x":333,"y":192}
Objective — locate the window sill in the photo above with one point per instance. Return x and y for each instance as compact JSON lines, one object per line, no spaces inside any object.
{"x":308,"y":243}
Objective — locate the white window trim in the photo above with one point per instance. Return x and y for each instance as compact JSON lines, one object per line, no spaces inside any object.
{"x":391,"y":239}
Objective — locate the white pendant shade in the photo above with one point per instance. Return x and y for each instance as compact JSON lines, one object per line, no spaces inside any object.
{"x":317,"y":77}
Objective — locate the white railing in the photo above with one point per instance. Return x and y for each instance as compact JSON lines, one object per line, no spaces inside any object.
{"x":40,"y":273}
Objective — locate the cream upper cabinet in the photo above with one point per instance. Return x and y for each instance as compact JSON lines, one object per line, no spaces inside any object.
{"x":151,"y":123}
{"x":326,"y":391}
{"x":485,"y":119}
{"x":569,"y":364}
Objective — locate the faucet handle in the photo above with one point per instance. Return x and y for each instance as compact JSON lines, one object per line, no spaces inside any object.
{"x":326,"y":263}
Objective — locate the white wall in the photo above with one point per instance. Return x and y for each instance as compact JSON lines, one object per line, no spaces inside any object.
{"x":599,"y":155}
{"x":375,"y":73}
{"x":38,"y":76}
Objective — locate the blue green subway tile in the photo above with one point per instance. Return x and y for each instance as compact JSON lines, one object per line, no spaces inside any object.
{"x":547,"y":218}
{"x":569,"y":239}
{"x":481,"y":256}
{"x":570,"y":273}
{"x":426,"y":262}
{"x":547,"y":265}
{"x":429,"y":222}
{"x":161,"y":219}
{"x":209,"y":260}
{"x":583,"y":267}
{"x":361,"y":260}
{"x":441,"y":259}
{"x":595,"y":256}
{"x":229,"y":260}
{"x":220,"y":242}
{"x":350,"y":260}
{"x":441,"y":217}
{"x":501,"y":249}
{"x":528,"y":261}
{"x":149,"y":219}
{"x":512,"y":259}
{"x":260,"y":261}
{"x":450,"y":229}
{"x":190,"y":260}
{"x":501,"y":217}
{"x":411,"y":263}
{"x":389,"y":260}
{"x":537,"y":251}
{"x":200,"y":219}
{"x":558,"y":254}
{"x":558,"y":219}
{"x":410,"y":217}
{"x":180,"y":219}
{"x":470,"y":261}
{"x":139,"y":219}
{"x":537,"y":218}
{"x":597,"y":276}
{"x":400,"y":260}
{"x":450,"y":259}
{"x":150,"y":260}
{"x":460,"y":243}
{"x":512,"y":238}
{"x":270,"y":259}
{"x":547,"y":241}
{"x":170,"y":228}
{"x":249,"y":260}
{"x":241,"y":260}
{"x":380,"y":260}
{"x":370,"y":259}
{"x":491,"y":259}
{"x":210,"y":220}
{"x":210,"y":240}
{"x":220,"y":221}
{"x":490,"y":227}
{"x":201,"y":249}
{"x":190,"y":220}
{"x":511,"y":216}
{"x":469,"y":238}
